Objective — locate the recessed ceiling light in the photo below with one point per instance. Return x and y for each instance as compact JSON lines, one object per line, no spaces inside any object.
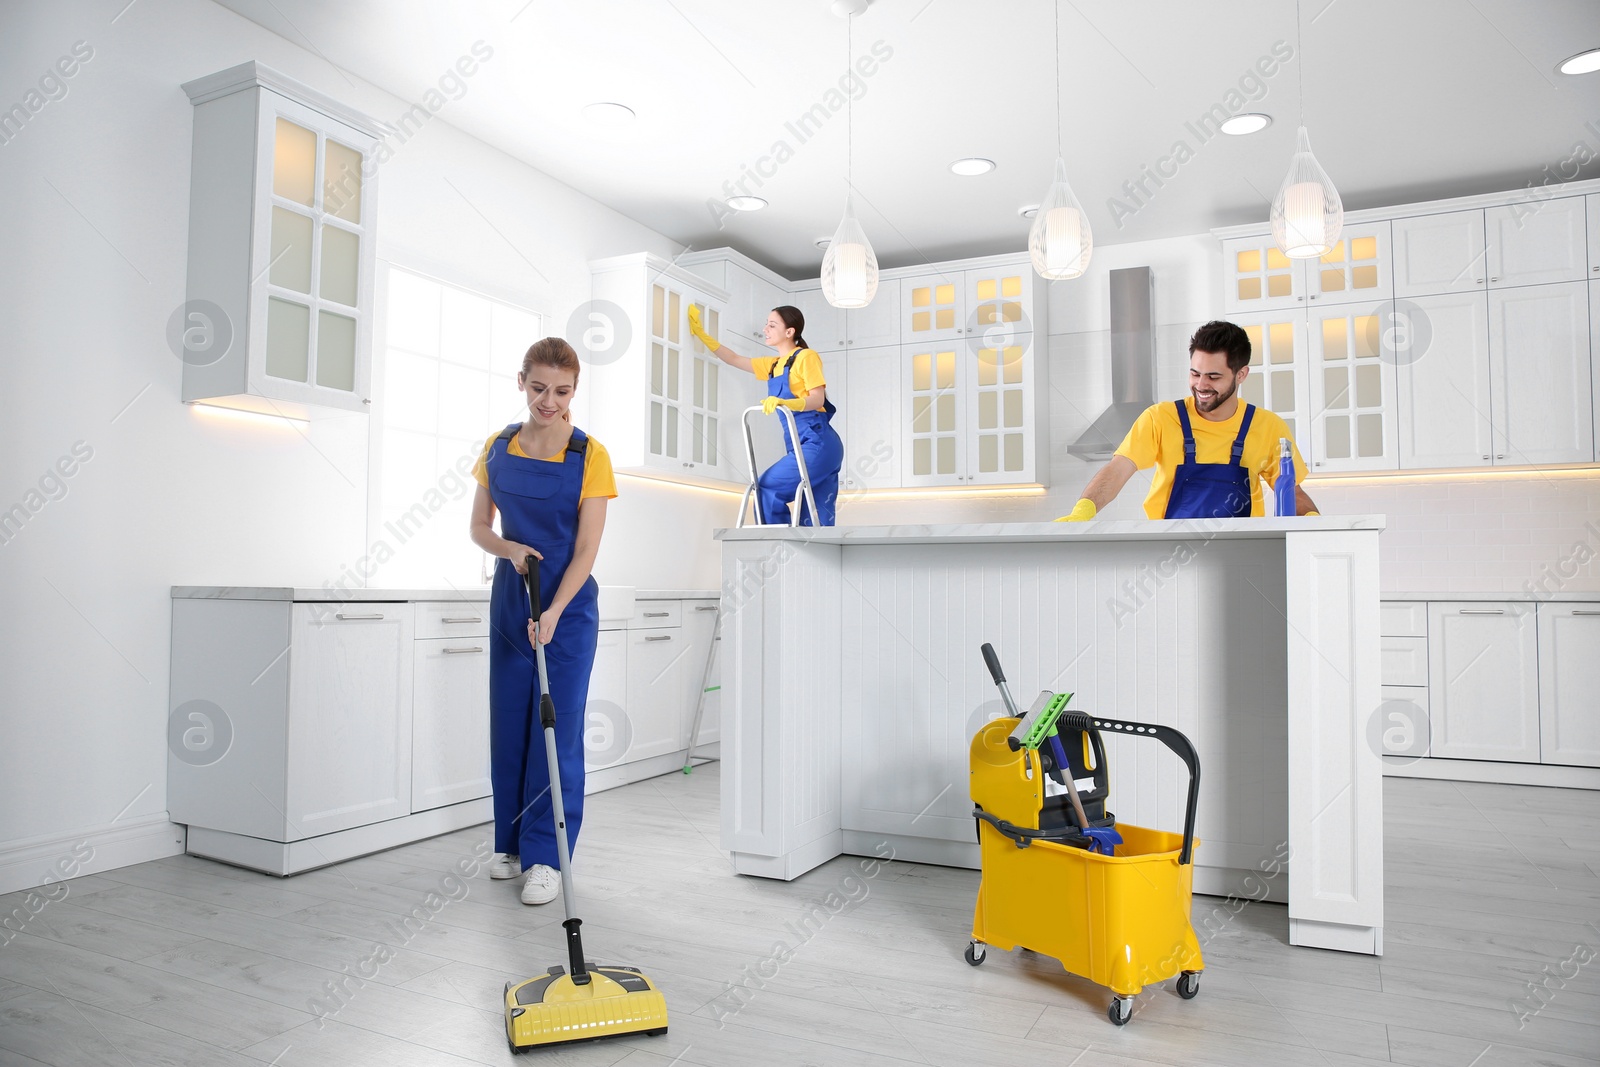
{"x":1582,"y":63}
{"x":607,"y":113}
{"x":1250,"y":122}
{"x":1028,"y":211}
{"x":746,"y":203}
{"x":845,"y":8}
{"x":972,"y":165}
{"x":823,"y":242}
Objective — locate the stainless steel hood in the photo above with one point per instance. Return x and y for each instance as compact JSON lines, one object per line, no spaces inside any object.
{"x":1133,"y":363}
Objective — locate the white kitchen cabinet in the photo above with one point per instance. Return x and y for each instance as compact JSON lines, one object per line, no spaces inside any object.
{"x":1258,"y":277}
{"x":825,"y":328}
{"x":871,"y":412}
{"x":933,"y":308}
{"x":450,"y":719}
{"x":657,"y":662}
{"x":1532,"y":243}
{"x":878,"y":323}
{"x":1569,"y":679}
{"x":1280,"y":379}
{"x":607,"y":727}
{"x":664,"y":407}
{"x":1483,"y":681}
{"x":1592,"y":213}
{"x":1405,"y":725}
{"x":1540,"y":385}
{"x":282,"y":222}
{"x":1357,"y":269}
{"x":1442,"y":253}
{"x":699,"y":628}
{"x":1352,"y":390}
{"x":1444,"y":416}
{"x":973,"y":416}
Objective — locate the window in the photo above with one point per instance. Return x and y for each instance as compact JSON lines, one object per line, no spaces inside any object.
{"x":448,"y":377}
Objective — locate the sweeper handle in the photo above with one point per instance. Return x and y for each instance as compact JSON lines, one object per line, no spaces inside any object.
{"x":579,"y":972}
{"x":1173,"y":739}
{"x":999,"y":677}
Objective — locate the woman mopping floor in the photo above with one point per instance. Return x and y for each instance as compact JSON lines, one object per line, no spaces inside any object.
{"x":550,"y":483}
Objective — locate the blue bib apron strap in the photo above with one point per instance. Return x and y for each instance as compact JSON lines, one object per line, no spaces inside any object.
{"x":1210,"y":490}
{"x":538,"y":501}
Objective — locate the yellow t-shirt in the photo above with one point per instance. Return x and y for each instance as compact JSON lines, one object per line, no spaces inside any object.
{"x":598,"y":477}
{"x":805,"y":372}
{"x":1157,"y":440}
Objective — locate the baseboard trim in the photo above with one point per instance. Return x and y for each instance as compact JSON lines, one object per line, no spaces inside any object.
{"x":1469,"y":770}
{"x":35,"y":861}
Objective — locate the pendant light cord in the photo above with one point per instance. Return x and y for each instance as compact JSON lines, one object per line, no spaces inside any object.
{"x":1057,"y":7}
{"x":850,"y":112}
{"x":1300,"y":67}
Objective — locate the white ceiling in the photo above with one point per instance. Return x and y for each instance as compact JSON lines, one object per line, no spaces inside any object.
{"x":1405,"y":100}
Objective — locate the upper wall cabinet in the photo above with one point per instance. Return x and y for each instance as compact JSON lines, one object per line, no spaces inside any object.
{"x":1526,"y":243}
{"x":282,"y":217}
{"x":1259,"y":277}
{"x":661,"y":404}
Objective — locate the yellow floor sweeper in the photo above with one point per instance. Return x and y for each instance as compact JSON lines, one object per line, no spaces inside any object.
{"x":1060,"y":877}
{"x":587,"y":1001}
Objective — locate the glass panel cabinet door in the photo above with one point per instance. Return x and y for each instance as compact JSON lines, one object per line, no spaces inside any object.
{"x":933,"y":308}
{"x":1355,"y":269}
{"x":999,"y":429}
{"x":665,"y":375}
{"x":703,"y":399}
{"x":1257,"y":276}
{"x":1278,"y":372}
{"x":932,"y":433}
{"x":1352,"y":391}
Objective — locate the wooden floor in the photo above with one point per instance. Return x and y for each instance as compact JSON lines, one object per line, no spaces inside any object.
{"x":184,"y":961}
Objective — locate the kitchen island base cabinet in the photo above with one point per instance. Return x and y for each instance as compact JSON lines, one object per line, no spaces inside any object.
{"x":854,"y":685}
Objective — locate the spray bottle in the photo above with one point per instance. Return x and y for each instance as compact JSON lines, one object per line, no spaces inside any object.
{"x":1283,"y":489}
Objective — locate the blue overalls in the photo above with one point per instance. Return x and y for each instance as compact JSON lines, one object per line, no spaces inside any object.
{"x":824,"y":454}
{"x":1210,"y":490}
{"x":538,"y":502}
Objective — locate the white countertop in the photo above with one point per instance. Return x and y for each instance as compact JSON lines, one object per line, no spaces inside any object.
{"x":1094,"y":530}
{"x":1578,"y":596}
{"x":346,"y":596}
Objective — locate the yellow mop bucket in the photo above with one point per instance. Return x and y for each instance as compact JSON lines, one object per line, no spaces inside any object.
{"x":1119,"y":920}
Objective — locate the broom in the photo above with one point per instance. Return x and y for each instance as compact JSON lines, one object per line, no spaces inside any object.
{"x":588,"y":1002}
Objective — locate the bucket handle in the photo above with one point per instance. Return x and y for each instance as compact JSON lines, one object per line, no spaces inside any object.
{"x":1173,"y":739}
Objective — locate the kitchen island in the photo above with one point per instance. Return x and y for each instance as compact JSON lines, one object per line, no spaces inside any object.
{"x":852,"y":684}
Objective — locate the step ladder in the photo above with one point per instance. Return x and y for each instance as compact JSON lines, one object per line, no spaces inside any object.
{"x":803,"y":492}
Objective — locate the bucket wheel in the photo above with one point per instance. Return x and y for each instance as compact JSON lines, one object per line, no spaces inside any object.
{"x":976,"y":952}
{"x":1121,"y":1010}
{"x":1188,"y":984}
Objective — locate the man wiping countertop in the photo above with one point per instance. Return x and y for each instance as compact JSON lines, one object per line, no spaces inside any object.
{"x":1209,"y":450}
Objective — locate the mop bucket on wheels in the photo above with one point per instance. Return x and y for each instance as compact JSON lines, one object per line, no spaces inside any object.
{"x":1120,"y":920}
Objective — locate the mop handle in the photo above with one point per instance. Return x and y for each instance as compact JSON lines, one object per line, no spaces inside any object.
{"x":547,"y":719}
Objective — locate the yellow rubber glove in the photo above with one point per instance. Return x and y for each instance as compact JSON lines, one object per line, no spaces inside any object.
{"x":773,"y":403}
{"x":1311,"y":513}
{"x":1083,"y":511}
{"x":698,"y":330}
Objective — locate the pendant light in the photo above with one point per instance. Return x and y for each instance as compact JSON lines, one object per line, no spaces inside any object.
{"x":1060,"y":240}
{"x":849,"y":267}
{"x":1307,"y":213}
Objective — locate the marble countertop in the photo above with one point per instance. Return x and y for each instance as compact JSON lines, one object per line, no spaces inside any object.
{"x":346,"y":596}
{"x":1519,"y":597}
{"x":1095,"y":530}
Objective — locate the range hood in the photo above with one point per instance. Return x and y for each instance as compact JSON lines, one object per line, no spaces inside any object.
{"x":1133,"y":363}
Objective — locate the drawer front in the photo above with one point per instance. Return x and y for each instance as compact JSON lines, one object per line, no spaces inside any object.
{"x":1403,"y":618}
{"x":648,"y":614}
{"x":1405,"y":661}
{"x":452,"y":618}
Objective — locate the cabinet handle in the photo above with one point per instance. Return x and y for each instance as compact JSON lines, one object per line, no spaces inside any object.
{"x":462,"y":651}
{"x":1500,"y":455}
{"x":705,"y":607}
{"x":1485,"y":457}
{"x":1478,"y":281}
{"x":342,"y":615}
{"x":473,"y":619}
{"x":1482,"y":611}
{"x":1494,"y":279}
{"x":1581,"y":611}
{"x":660,"y":637}
{"x":657,"y":614}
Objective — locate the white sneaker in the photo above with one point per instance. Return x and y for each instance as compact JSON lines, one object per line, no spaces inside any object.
{"x":542,"y":885}
{"x":505,"y":865}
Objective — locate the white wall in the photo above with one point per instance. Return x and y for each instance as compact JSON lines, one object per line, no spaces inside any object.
{"x":95,"y":231}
